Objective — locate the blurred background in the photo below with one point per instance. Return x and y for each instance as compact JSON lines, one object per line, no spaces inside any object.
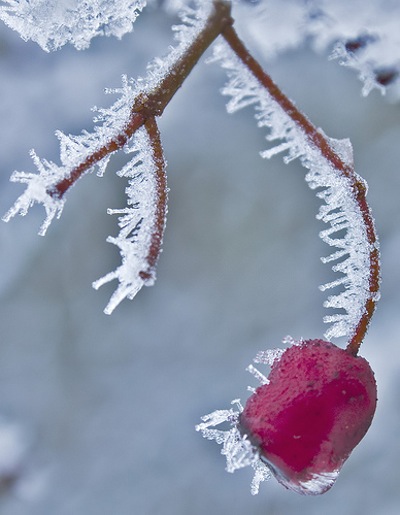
{"x":97,"y":412}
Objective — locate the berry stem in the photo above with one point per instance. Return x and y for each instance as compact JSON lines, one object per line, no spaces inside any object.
{"x":319,"y":141}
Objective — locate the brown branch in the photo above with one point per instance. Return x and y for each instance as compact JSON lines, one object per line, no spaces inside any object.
{"x":161,"y":203}
{"x":136,"y":120}
{"x":318,"y":140}
{"x":153,"y":103}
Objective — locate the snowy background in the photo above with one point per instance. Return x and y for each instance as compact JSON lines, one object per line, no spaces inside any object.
{"x":97,"y":413}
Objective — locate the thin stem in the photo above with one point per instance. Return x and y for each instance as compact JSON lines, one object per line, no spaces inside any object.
{"x":153,"y":103}
{"x":318,"y":140}
{"x":161,"y":195}
{"x":136,"y":120}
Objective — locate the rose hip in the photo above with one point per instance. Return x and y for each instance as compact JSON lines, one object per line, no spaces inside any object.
{"x":317,"y":406}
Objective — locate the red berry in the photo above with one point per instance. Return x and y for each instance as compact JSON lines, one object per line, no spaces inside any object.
{"x":317,"y":406}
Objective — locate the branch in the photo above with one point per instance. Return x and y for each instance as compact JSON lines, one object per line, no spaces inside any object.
{"x":152,"y":103}
{"x":161,"y":201}
{"x":319,"y":141}
{"x":142,"y":223}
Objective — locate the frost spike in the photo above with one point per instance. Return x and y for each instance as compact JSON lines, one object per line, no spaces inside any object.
{"x":52,"y":24}
{"x":142,"y":225}
{"x":331,"y":170}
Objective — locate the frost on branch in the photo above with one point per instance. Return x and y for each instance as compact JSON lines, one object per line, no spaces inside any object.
{"x":364,"y":36}
{"x":141,"y":223}
{"x":37,"y":191}
{"x":73,"y":151}
{"x":340,"y":210}
{"x":53,"y":23}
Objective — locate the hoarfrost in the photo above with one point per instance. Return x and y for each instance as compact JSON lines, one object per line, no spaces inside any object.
{"x":257,"y":374}
{"x":53,"y":23}
{"x":362,"y":36}
{"x":74,"y":150}
{"x":340,"y":210}
{"x":91,"y":150}
{"x":38,"y":191}
{"x":136,"y":223}
{"x":236,"y":448}
{"x":270,"y":356}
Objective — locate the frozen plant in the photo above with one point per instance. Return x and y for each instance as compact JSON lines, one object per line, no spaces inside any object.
{"x":130,"y":126}
{"x":304,"y":420}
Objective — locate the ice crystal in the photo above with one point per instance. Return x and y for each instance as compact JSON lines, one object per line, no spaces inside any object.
{"x":37,"y":191}
{"x":236,"y":448}
{"x":136,"y":223}
{"x":340,"y":210}
{"x":192,"y":23}
{"x":269,"y":433}
{"x":53,"y":23}
{"x":364,"y":37}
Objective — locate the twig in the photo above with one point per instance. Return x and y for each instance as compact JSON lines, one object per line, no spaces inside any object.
{"x":153,"y":103}
{"x":318,"y":140}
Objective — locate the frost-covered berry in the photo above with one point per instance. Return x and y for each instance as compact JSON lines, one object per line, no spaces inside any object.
{"x":317,"y":405}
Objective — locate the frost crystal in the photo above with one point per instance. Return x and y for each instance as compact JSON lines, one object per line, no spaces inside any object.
{"x":136,"y":223}
{"x":340,"y":210}
{"x":237,"y":449}
{"x":53,"y":23}
{"x":141,"y":223}
{"x":37,"y":190}
{"x":363,"y":36}
{"x":74,"y":150}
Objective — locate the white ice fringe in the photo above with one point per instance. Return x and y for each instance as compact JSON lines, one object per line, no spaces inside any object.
{"x":340,"y":210}
{"x":52,"y":23}
{"x":236,"y":447}
{"x":136,"y":223}
{"x":111,"y":122}
{"x":74,"y":150}
{"x":135,"y":220}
